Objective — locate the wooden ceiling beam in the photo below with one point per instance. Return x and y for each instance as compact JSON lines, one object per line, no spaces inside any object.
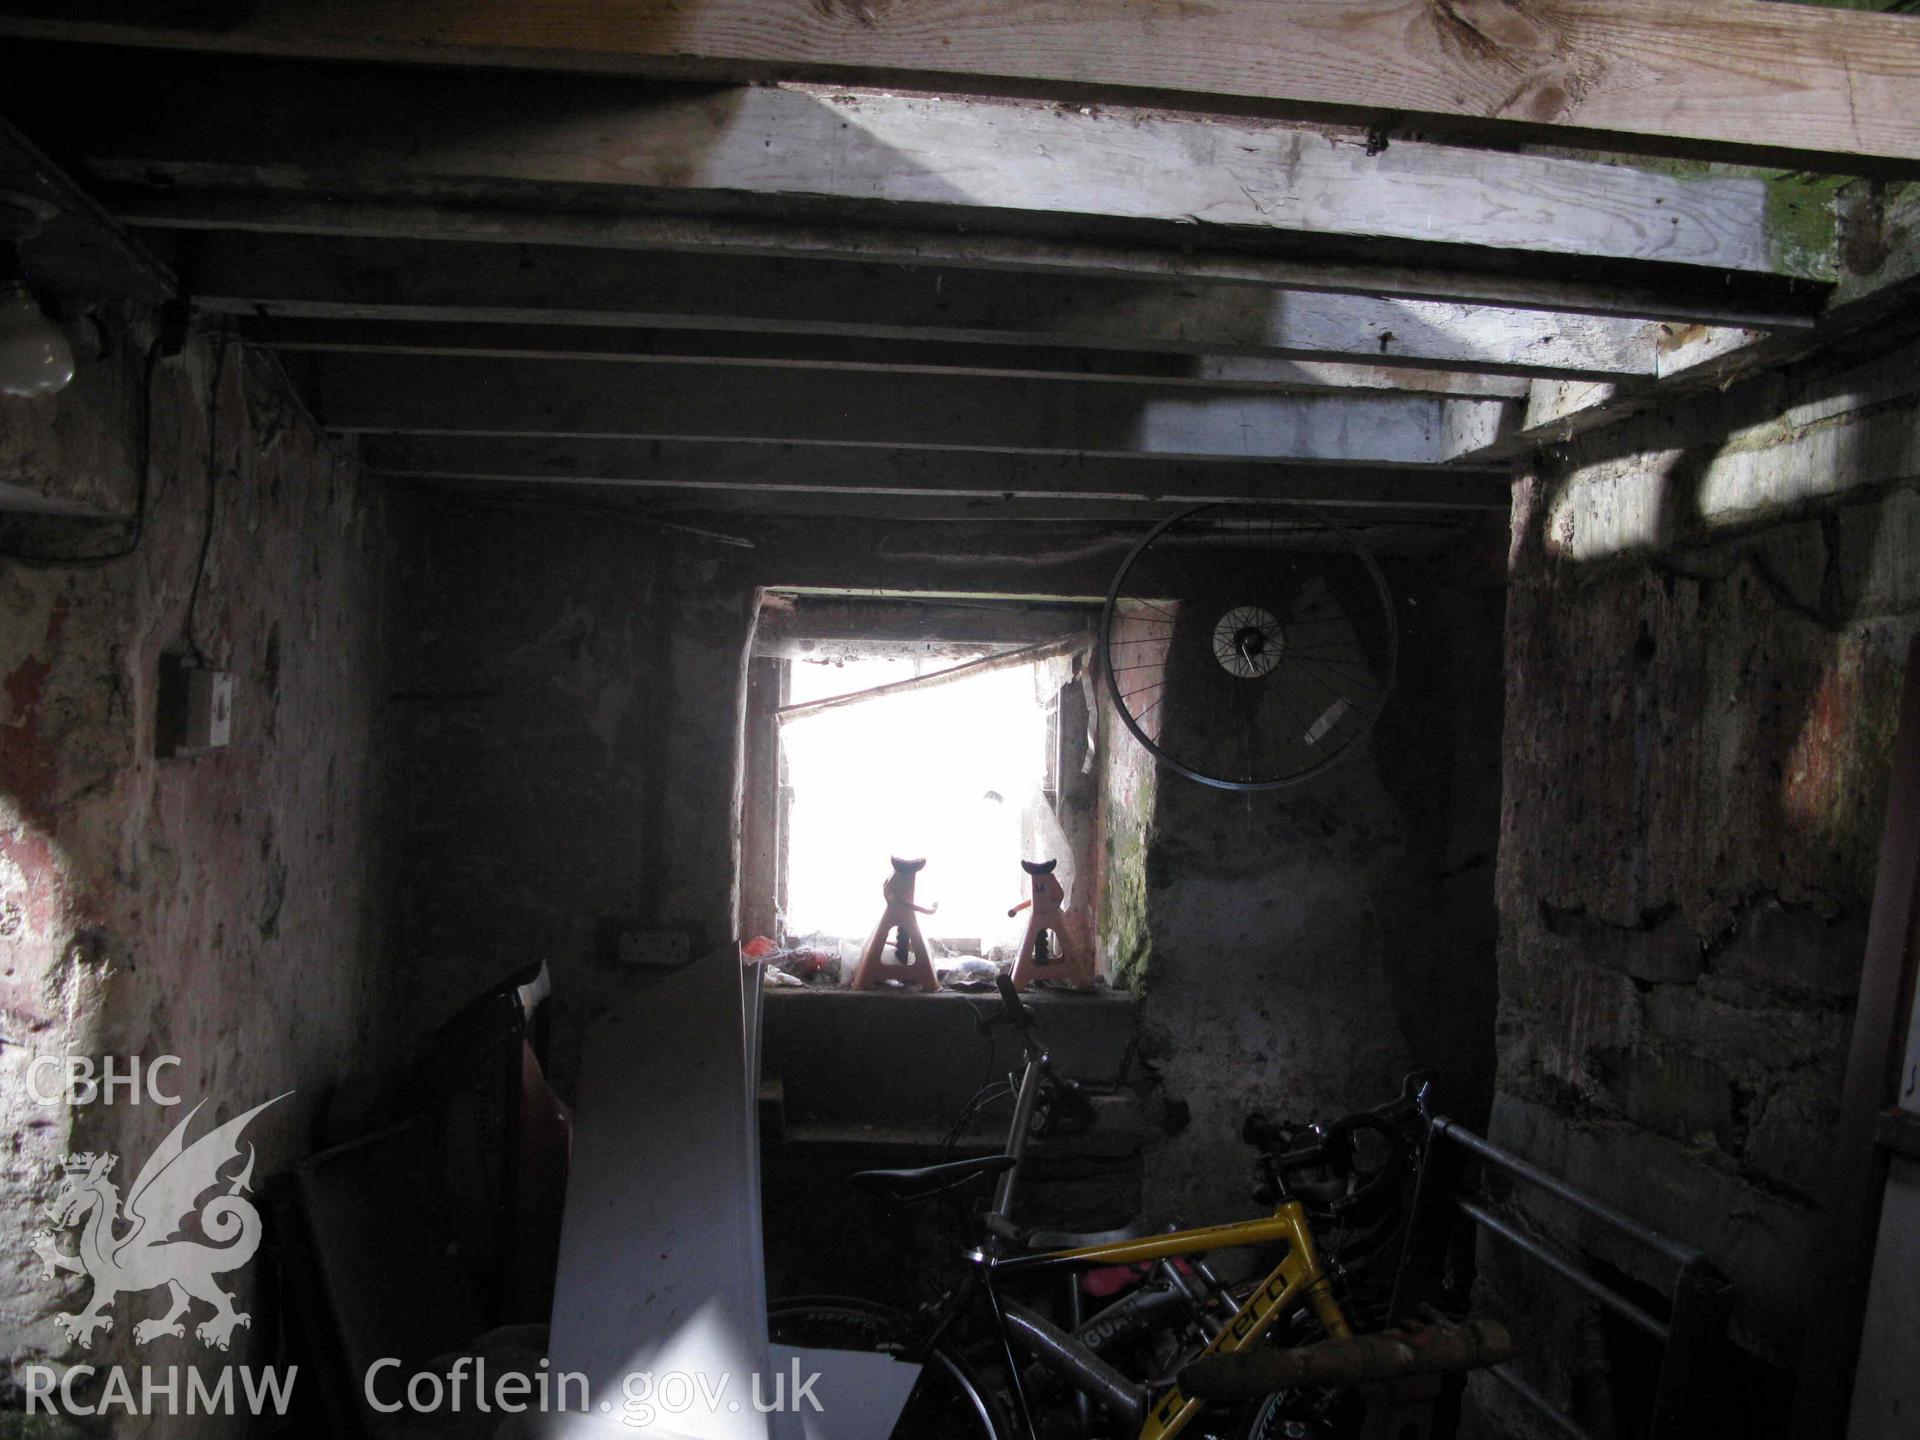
{"x":354,"y":133}
{"x":980,"y":530}
{"x":1730,"y":300}
{"x":441,"y":395}
{"x":1724,"y":79}
{"x":1875,"y":309}
{"x":65,"y":241}
{"x":303,"y":277}
{"x":852,"y":353}
{"x":774,"y":472}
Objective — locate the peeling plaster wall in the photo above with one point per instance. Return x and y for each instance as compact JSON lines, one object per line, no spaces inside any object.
{"x":1309,"y":946}
{"x":1706,"y":627}
{"x":567,"y":701}
{"x":220,"y":908}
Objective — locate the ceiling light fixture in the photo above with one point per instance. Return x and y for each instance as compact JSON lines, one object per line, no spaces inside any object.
{"x":36,"y":358}
{"x":35,"y":355}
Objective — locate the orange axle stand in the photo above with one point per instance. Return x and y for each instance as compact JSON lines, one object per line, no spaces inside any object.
{"x":902,"y":915}
{"x":1071,"y":961}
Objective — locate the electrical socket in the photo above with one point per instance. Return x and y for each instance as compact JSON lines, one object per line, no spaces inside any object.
{"x":626,"y":943}
{"x":654,"y":948}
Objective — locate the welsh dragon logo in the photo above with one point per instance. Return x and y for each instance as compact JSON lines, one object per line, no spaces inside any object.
{"x":139,"y":1247}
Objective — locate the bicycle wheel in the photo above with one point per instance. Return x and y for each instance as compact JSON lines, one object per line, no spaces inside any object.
{"x":1249,"y":647}
{"x":1295,"y":1416}
{"x":949,"y":1401}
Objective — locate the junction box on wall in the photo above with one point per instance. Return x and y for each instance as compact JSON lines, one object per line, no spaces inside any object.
{"x":194,"y":708}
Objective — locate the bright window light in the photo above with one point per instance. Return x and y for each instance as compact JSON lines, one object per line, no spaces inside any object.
{"x":953,"y":772}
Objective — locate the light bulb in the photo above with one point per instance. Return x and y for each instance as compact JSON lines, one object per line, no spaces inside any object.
{"x":35,"y":358}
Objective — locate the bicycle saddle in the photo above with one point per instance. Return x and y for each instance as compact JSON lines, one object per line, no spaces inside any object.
{"x":930,"y":1180}
{"x":1038,"y":867}
{"x":908,"y":867}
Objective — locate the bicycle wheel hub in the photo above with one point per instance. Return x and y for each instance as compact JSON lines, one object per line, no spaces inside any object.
{"x":1248,"y":642}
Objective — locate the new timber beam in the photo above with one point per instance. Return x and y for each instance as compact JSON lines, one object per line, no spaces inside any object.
{"x":303,"y":277}
{"x":440,"y":395}
{"x":1722,"y":79}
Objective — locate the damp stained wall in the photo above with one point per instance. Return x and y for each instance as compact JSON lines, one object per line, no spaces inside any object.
{"x":567,"y":700}
{"x":224,"y":908}
{"x":1300,"y":950}
{"x":1304,"y":968}
{"x":1707,"y":622}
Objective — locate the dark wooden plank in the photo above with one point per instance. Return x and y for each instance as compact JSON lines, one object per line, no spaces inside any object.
{"x":1095,"y":532}
{"x":836,"y":352}
{"x":766,"y":473}
{"x":66,"y":242}
{"x":304,"y":277}
{"x":1729,"y":300}
{"x":478,"y":396}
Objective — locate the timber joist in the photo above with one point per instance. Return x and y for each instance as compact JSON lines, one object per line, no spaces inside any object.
{"x":1074,"y":255}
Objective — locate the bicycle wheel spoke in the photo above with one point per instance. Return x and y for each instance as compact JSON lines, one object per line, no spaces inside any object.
{"x":1278,"y":603}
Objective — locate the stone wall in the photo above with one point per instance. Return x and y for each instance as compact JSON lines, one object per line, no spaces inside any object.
{"x":1311,"y":945}
{"x":1298,"y":953}
{"x":221,"y":908}
{"x":567,"y":703}
{"x":1706,"y":627}
{"x":608,"y":651}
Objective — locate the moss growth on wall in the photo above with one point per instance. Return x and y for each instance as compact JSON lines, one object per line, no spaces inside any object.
{"x":1126,"y":943}
{"x":1123,"y":911}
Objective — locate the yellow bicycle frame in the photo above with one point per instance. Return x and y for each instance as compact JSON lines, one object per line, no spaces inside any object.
{"x":1298,"y":1275}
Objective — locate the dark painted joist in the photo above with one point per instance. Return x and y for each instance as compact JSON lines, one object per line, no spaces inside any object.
{"x":67,"y":243}
{"x":1728,"y":299}
{"x":1815,"y":87}
{"x":305,"y":277}
{"x":833,"y":352}
{"x":813,"y":627}
{"x":775,"y":472}
{"x":353,"y":134}
{"x":900,"y":550}
{"x":448,"y":395}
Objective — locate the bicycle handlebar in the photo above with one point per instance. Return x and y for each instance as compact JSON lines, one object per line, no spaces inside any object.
{"x":1013,"y":1011}
{"x":1331,"y":1144}
{"x":1012,"y":1008}
{"x":1409,"y":1104}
